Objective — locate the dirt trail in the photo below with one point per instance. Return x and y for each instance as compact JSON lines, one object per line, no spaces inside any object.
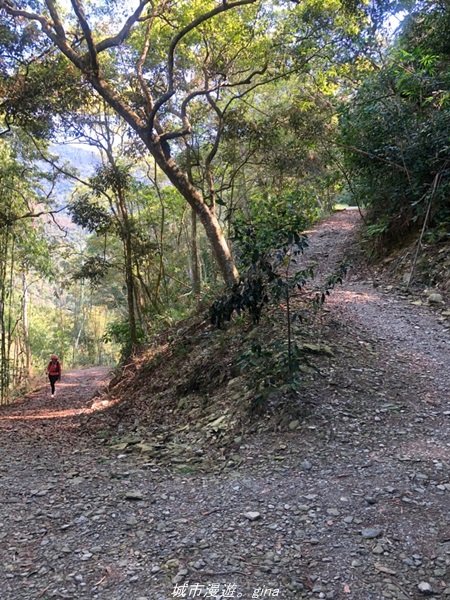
{"x":352,"y":504}
{"x":40,"y":415}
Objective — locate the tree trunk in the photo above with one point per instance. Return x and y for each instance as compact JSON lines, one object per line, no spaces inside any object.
{"x":206,"y":215}
{"x":3,"y":358}
{"x":130,"y":287}
{"x":176,"y":176}
{"x":88,"y":64}
{"x":25,"y":325}
{"x":125,"y":232}
{"x":195,"y":262}
{"x":195,"y":266}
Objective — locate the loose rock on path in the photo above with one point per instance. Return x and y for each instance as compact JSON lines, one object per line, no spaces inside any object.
{"x":353,"y":503}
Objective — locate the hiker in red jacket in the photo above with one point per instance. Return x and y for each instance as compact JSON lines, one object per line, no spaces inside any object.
{"x":53,"y":372}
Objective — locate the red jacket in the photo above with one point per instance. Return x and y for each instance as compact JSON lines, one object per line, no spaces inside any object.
{"x":54,"y":368}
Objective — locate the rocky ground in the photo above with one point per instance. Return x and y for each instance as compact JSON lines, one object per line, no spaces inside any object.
{"x":349,"y":502}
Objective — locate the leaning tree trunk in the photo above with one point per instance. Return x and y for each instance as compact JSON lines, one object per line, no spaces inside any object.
{"x":176,"y":176}
{"x":206,"y":214}
{"x":88,"y":63}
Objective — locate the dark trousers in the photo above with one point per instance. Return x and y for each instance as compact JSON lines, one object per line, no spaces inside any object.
{"x":53,"y":379}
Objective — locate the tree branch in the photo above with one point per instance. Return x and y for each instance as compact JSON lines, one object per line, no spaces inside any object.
{"x":173,"y":135}
{"x":139,"y":69}
{"x":48,"y":27}
{"x":54,"y":165}
{"x":55,"y":18}
{"x":187,"y":129}
{"x":373,"y":156}
{"x":9,"y":7}
{"x":79,"y":11}
{"x":33,"y":215}
{"x":224,"y":6}
{"x":118,"y":39}
{"x":212,"y":153}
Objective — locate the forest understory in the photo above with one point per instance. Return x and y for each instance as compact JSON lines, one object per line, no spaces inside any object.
{"x":153,"y":490}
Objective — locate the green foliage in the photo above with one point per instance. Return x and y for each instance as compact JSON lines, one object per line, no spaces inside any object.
{"x":89,"y":214}
{"x":35,"y":96}
{"x":118,"y":332}
{"x":271,"y":222}
{"x":25,"y":255}
{"x":250,"y":294}
{"x":259,"y":150}
{"x":94,"y":269}
{"x":49,"y":333}
{"x":35,"y":254}
{"x":264,"y":245}
{"x":275,"y":370}
{"x":111,"y":177}
{"x":277,"y":365}
{"x":397,"y":130}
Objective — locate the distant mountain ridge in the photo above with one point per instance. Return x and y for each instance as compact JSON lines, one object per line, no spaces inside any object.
{"x":80,"y":157}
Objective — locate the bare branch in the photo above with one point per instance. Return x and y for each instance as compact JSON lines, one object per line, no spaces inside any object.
{"x":193,"y":95}
{"x":224,"y":6}
{"x":9,"y":7}
{"x":58,"y":225}
{"x":79,"y":11}
{"x":173,"y":135}
{"x":55,"y":18}
{"x":254,"y":86}
{"x":124,"y":32}
{"x":373,"y":156}
{"x":48,"y":27}
{"x":215,"y":147}
{"x":35,"y":215}
{"x":207,"y":91}
{"x":139,"y":68}
{"x":53,"y":163}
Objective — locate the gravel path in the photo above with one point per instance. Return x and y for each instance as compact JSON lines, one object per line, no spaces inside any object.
{"x":353,"y":503}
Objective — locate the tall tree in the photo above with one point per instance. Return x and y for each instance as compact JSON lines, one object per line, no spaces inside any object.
{"x":162,"y":26}
{"x":112,"y":182}
{"x":174,"y":70}
{"x":23,"y":253}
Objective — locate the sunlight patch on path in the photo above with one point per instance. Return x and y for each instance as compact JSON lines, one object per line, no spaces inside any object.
{"x":356,"y":297}
{"x":57,"y":414}
{"x":73,"y":399}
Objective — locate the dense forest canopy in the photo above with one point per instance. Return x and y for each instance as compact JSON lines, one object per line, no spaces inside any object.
{"x":217,"y":128}
{"x":400,"y":125}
